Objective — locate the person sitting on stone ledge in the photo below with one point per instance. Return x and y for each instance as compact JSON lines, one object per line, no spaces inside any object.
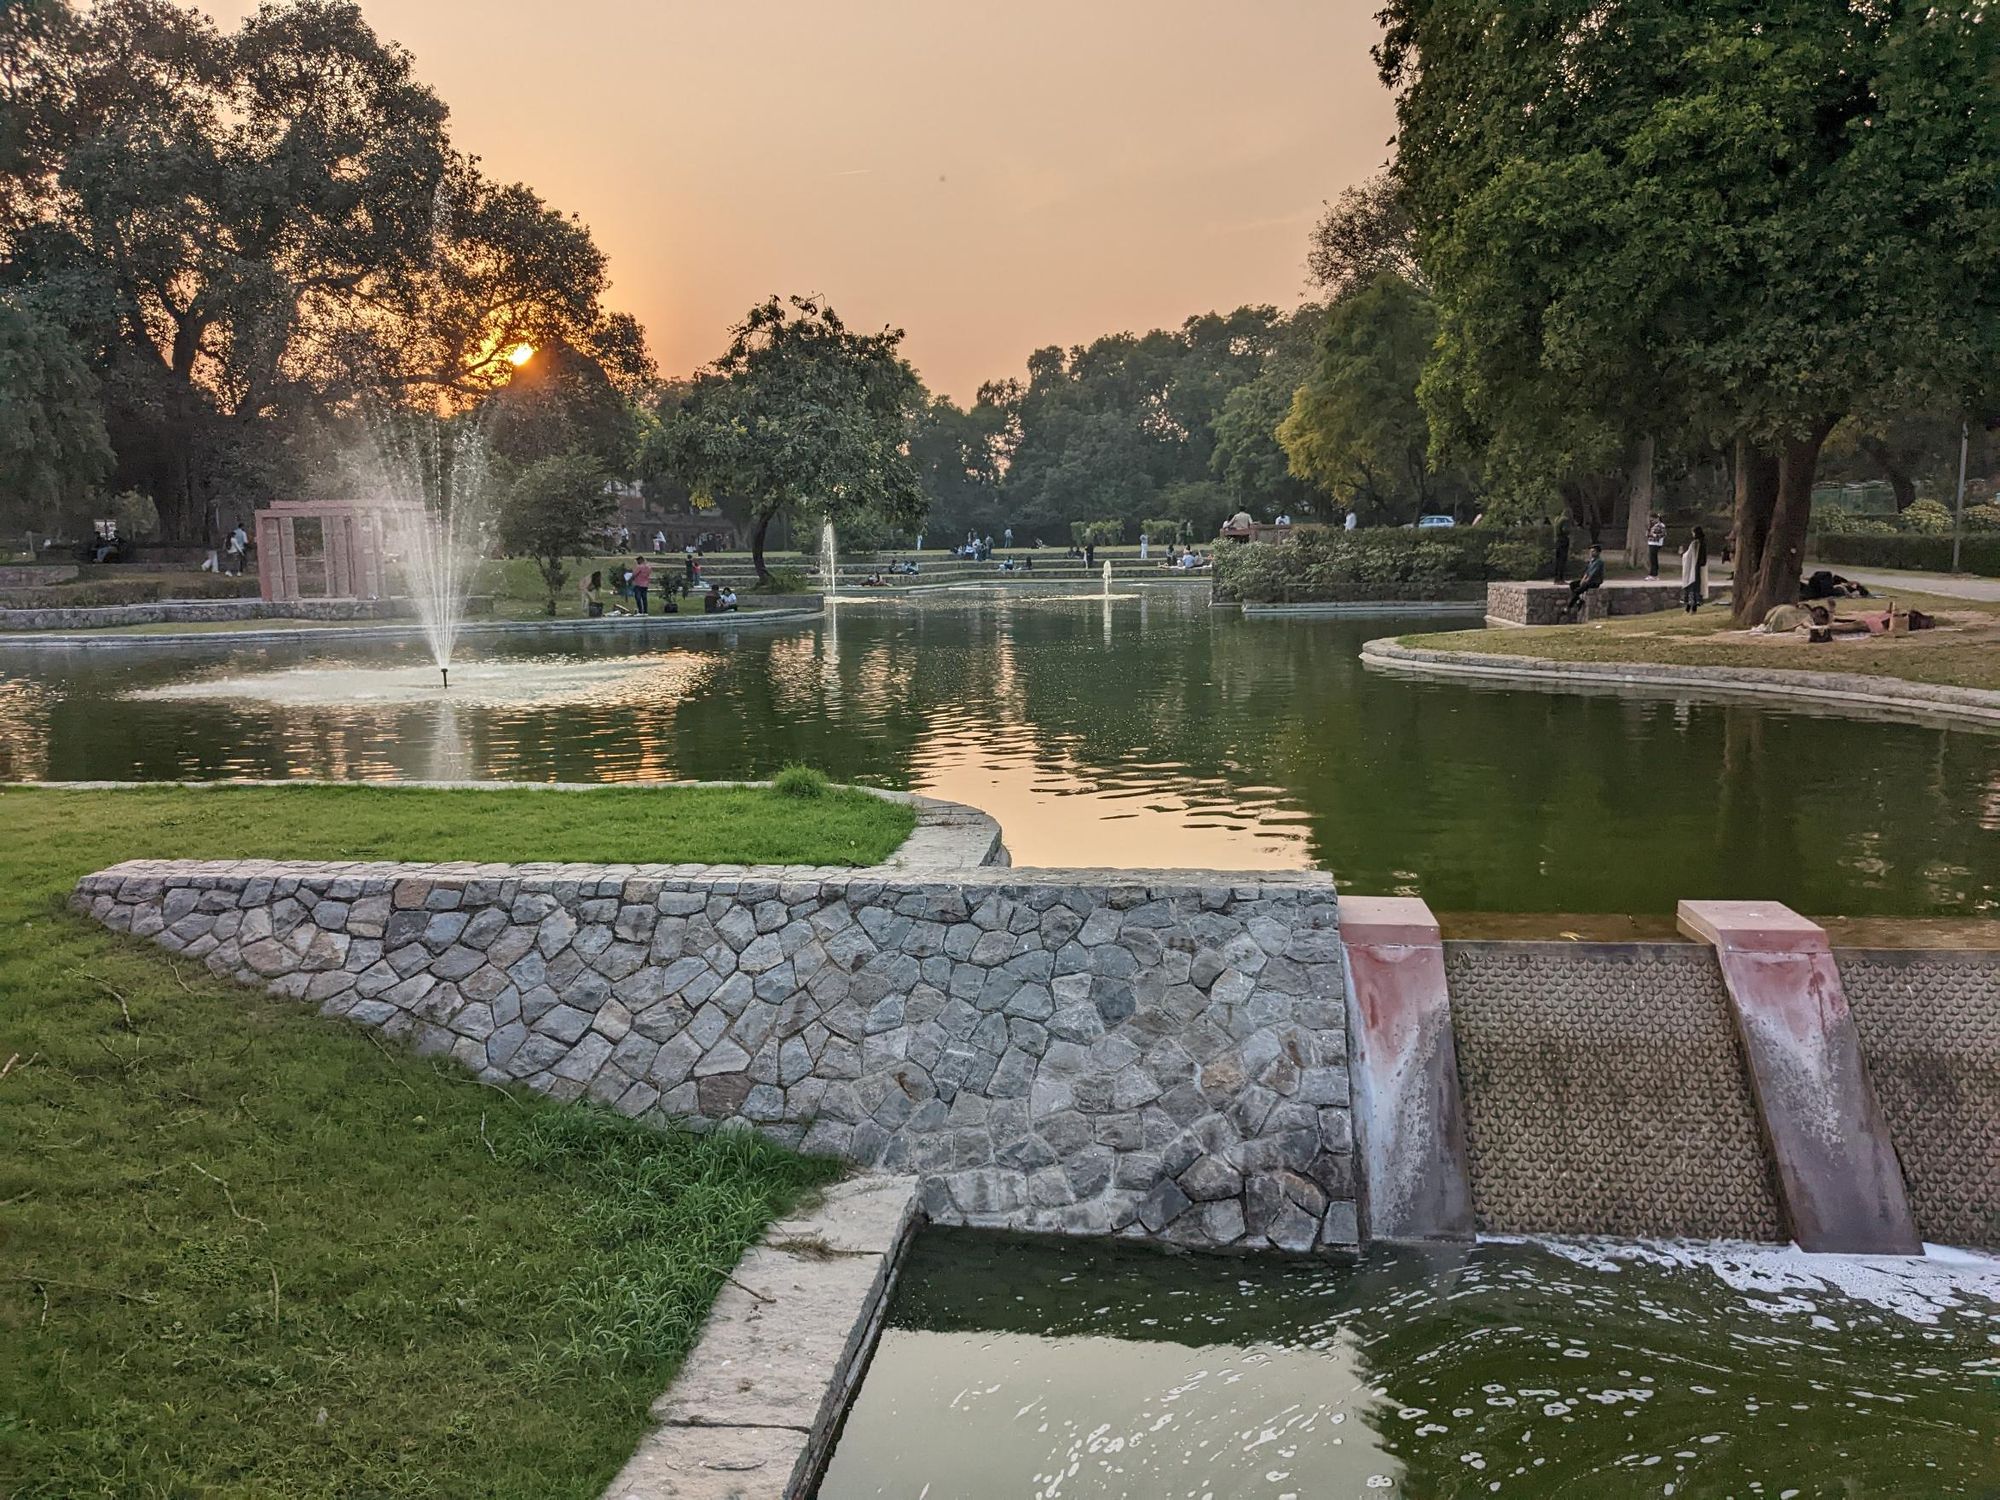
{"x":1593,"y":578}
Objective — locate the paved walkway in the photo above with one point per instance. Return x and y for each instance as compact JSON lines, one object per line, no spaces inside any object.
{"x":1946,"y":585}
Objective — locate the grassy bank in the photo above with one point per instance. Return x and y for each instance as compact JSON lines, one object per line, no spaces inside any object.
{"x":245,"y":1251}
{"x":1966,"y":653}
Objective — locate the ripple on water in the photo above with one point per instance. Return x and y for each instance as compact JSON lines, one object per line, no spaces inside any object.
{"x":1514,"y":1368}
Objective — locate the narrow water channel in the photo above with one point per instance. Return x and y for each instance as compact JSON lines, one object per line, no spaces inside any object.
{"x":1015,"y":1368}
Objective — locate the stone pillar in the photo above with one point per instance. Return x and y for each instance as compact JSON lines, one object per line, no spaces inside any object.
{"x":338,"y":528}
{"x":1408,"y":1125}
{"x":1838,"y":1176}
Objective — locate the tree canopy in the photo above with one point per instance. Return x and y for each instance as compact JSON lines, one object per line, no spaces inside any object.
{"x":1741,"y":220}
{"x":803,"y":413}
{"x":244,"y":230}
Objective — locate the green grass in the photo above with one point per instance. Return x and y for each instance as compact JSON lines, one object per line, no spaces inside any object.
{"x":245,"y":1251}
{"x":1967,"y":654}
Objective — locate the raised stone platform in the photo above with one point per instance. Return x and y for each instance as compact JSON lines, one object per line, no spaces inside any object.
{"x":1535,"y":603}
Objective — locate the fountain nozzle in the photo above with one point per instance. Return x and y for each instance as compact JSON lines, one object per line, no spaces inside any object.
{"x":445,"y":673}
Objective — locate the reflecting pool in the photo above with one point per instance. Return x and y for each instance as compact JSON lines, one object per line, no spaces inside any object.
{"x":1014,"y":1368}
{"x":1147,"y":731}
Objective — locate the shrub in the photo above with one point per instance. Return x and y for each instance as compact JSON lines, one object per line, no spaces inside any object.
{"x":1927,"y":518}
{"x":800,"y":781}
{"x":1515,"y":560}
{"x":1107,"y":533}
{"x":92,"y":593}
{"x":788,"y":581}
{"x":1980,"y":552}
{"x":1983,"y":517}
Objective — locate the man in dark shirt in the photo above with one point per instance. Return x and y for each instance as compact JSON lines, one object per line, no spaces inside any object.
{"x":1593,"y":578}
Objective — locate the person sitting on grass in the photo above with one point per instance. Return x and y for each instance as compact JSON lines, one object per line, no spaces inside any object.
{"x":1593,"y":578}
{"x":728,"y":598}
{"x":591,"y":594}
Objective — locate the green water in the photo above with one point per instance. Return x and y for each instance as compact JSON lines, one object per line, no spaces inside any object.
{"x":1145,"y":732}
{"x":1015,"y":1368}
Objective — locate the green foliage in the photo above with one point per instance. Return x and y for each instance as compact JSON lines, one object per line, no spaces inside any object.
{"x":787,"y":581}
{"x":1982,"y":518}
{"x":1979,"y":552}
{"x":800,"y":413}
{"x":1739,"y":221}
{"x":1519,"y":560}
{"x":1107,"y":532}
{"x":1319,"y":565}
{"x":956,"y":453}
{"x":1356,"y":429}
{"x":53,"y":449}
{"x":553,"y":509}
{"x":800,"y":781}
{"x":1108,"y":428}
{"x":1927,"y":517}
{"x":243,"y":229}
{"x":562,"y":401}
{"x":137,"y":517}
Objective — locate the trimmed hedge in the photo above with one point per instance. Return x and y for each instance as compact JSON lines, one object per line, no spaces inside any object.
{"x":1327,"y":566}
{"x":1978,"y":553}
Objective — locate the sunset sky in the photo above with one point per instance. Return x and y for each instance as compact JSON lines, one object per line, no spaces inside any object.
{"x":991,"y":178}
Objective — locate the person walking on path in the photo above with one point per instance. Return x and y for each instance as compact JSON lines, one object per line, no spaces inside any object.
{"x":1562,"y":549}
{"x":1656,"y":538}
{"x":642,"y":581}
{"x":238,"y":547}
{"x":1694,"y":571}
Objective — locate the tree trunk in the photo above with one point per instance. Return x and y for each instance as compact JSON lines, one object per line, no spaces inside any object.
{"x":1776,"y":580}
{"x":1756,"y":499}
{"x":757,"y":530}
{"x":1900,"y":479}
{"x":1639,"y":514}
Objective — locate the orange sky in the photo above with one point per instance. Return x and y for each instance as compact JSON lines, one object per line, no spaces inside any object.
{"x":991,"y":177}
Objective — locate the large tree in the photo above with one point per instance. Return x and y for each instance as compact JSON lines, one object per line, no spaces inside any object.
{"x":800,"y":413}
{"x":1355,"y":428}
{"x":1739,"y":220}
{"x":247,"y":228}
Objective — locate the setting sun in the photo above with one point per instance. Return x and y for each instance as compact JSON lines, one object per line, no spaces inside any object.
{"x":520,"y":354}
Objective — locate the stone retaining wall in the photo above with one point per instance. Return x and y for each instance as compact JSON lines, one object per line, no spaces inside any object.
{"x":1532,"y":603}
{"x":1091,"y":1052}
{"x":197,"y":611}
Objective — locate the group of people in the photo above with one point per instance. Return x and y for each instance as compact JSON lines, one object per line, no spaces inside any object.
{"x":632,"y":590}
{"x":1694,"y":566}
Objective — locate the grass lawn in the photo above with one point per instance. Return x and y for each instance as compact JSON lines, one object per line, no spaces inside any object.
{"x":245,"y":1251}
{"x":1964,"y":652}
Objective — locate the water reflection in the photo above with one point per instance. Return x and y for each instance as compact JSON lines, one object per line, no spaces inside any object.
{"x":1017,"y":1367}
{"x":1189,"y":738}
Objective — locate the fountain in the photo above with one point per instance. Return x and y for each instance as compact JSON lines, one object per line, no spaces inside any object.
{"x":829,"y":561}
{"x":1107,"y":578}
{"x":434,"y":474}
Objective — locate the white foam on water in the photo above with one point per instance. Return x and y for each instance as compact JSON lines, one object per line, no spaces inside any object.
{"x":1783,"y":1279}
{"x":660,"y":678}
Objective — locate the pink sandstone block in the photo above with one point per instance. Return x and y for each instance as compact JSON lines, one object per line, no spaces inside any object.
{"x":1409,"y":1128}
{"x":1838,"y":1175}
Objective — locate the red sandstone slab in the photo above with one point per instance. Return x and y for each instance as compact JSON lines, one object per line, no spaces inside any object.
{"x":1409,"y":1128}
{"x":1838,"y":1174}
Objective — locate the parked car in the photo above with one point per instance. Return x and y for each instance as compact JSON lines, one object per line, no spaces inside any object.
{"x":1435,"y":523}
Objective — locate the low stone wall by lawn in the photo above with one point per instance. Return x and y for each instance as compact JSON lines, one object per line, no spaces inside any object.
{"x":1090,"y":1052}
{"x":1543,"y":603}
{"x":199,"y":611}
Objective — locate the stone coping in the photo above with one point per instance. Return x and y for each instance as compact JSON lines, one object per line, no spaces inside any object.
{"x":948,"y":835}
{"x":1854,"y":689}
{"x":685,"y":623}
{"x":753,"y":1412}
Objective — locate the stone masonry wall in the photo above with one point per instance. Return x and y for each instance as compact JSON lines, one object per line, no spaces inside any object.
{"x":1086,"y":1052}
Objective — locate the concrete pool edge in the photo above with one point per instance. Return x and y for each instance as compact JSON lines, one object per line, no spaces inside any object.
{"x":319,"y":634}
{"x":752,"y":1413}
{"x":1851,"y":689}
